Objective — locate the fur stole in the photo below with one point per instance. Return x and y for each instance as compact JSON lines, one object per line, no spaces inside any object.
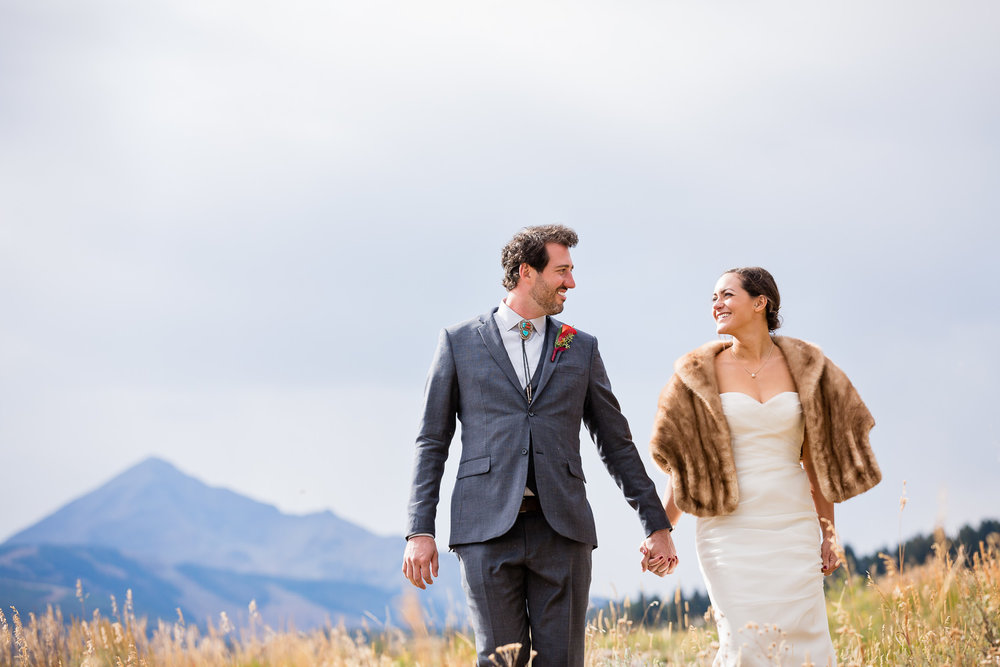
{"x":691,"y":440}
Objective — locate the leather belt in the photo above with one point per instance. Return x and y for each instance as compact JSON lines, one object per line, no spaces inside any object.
{"x":530,"y":504}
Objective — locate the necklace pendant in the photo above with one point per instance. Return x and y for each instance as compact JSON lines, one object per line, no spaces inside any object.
{"x":753,"y":375}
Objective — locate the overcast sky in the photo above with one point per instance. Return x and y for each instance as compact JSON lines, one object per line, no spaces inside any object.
{"x":230,"y":231}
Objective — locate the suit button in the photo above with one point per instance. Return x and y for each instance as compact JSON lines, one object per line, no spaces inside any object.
{"x":524,"y":451}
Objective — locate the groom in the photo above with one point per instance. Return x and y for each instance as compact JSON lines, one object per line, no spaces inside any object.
{"x":521,"y":382}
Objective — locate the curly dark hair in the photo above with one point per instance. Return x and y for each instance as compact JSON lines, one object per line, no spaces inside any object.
{"x":528,"y":246}
{"x":759,"y":282}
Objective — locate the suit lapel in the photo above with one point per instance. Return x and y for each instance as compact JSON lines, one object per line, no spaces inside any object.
{"x":552,"y":328}
{"x":490,"y":334}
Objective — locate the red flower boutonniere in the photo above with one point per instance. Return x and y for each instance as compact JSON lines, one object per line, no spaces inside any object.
{"x":563,"y":340}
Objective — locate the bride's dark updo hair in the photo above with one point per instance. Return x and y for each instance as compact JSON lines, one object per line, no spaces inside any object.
{"x":759,"y":282}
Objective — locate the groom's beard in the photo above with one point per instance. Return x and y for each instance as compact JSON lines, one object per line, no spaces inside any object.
{"x":547,"y":297}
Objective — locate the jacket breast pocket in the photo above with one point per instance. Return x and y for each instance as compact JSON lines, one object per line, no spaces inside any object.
{"x":473,"y":467}
{"x":564,"y":367}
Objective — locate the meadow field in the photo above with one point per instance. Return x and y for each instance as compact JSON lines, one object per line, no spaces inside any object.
{"x":943,"y":612}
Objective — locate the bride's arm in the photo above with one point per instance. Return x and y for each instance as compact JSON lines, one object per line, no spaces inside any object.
{"x":824,"y":510}
{"x":670,"y":507}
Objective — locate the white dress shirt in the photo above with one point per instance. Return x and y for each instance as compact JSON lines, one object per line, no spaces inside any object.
{"x":507,"y":321}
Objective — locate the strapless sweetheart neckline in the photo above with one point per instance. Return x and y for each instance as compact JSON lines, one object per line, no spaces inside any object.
{"x":740,"y":393}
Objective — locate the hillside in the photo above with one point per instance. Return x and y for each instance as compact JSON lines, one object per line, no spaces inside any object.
{"x":178,"y":543}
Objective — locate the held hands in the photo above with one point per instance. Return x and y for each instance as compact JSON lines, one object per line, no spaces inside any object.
{"x":420,"y":560}
{"x":658,"y":553}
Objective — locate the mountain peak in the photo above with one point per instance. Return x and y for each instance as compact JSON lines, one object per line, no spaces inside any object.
{"x":156,"y":512}
{"x":150,"y":470}
{"x":154,"y":464}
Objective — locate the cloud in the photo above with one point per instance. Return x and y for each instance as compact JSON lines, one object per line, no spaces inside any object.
{"x":232,"y":230}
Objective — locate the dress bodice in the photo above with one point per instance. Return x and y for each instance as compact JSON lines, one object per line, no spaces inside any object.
{"x":767,"y":447}
{"x":773,"y":428}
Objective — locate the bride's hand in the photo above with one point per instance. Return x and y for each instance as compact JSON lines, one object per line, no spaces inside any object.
{"x":828,"y":556}
{"x":658,"y":553}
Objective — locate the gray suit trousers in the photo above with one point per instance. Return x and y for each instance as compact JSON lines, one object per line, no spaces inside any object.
{"x":529,"y":586}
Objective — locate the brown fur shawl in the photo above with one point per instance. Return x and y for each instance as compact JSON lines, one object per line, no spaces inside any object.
{"x":691,"y":440}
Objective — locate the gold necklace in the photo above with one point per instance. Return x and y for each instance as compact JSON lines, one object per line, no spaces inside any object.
{"x":754,"y":373}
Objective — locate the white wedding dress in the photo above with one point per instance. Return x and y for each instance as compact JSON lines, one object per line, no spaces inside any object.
{"x":762,"y":563}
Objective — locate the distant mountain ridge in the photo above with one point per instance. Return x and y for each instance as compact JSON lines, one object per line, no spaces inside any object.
{"x":179,"y":543}
{"x":156,"y":513}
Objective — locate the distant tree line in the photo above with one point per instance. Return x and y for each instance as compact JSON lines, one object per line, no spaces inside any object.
{"x":919,"y":549}
{"x":683,"y":610}
{"x":653,"y":611}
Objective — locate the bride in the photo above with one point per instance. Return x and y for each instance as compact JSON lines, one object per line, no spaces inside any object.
{"x":760,"y":437}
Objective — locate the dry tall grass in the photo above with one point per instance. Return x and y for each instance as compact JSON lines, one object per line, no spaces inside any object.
{"x":945,"y":612}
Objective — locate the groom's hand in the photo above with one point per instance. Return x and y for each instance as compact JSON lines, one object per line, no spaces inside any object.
{"x":420,"y":560}
{"x":658,"y":553}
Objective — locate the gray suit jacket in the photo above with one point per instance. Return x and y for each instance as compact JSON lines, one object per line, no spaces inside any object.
{"x":472,"y":379}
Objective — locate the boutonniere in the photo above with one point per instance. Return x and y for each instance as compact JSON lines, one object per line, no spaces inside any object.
{"x":563,"y":340}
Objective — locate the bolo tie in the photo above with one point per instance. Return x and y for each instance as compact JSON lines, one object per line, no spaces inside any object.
{"x":525,"y":329}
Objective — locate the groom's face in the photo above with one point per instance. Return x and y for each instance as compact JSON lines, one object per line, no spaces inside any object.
{"x":550,"y":285}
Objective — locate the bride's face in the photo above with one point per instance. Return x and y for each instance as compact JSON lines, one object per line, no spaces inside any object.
{"x":732,"y":306}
